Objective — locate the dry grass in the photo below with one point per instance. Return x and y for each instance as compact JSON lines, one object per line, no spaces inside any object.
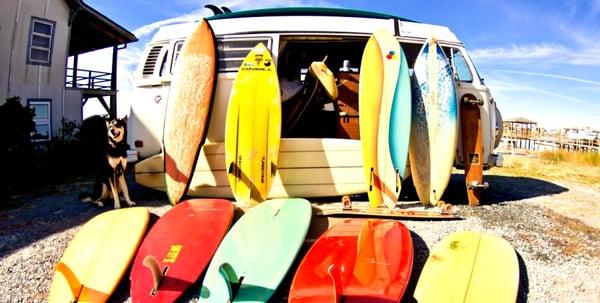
{"x":577,"y":168}
{"x":578,"y":158}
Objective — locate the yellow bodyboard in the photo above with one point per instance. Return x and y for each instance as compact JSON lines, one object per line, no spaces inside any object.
{"x":98,"y":256}
{"x":253,"y":128}
{"x":469,"y":267}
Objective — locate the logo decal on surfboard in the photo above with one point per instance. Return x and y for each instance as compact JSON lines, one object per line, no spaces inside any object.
{"x":173,"y":253}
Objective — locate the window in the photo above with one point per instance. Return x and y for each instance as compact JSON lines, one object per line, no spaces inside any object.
{"x":42,"y":118}
{"x":461,"y":68}
{"x":41,"y":35}
{"x":176,"y":50}
{"x":232,"y":51}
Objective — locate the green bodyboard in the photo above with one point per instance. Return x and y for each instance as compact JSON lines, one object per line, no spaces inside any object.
{"x":257,"y":252}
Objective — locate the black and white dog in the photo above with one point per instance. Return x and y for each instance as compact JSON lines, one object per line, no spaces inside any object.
{"x":109,"y":160}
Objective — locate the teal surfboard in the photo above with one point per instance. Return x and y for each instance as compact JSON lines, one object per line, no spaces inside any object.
{"x":257,"y":252}
{"x":400,"y":119}
{"x":434,"y":123}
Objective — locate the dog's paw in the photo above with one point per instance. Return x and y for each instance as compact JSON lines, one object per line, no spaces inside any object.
{"x":130,"y":203}
{"x":100,"y":204}
{"x":117,"y":206}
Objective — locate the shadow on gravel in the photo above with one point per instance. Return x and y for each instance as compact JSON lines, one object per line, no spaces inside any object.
{"x":57,"y":210}
{"x":502,"y":189}
{"x":421,"y":254}
{"x":523,"y":280}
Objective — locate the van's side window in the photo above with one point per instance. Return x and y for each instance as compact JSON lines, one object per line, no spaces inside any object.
{"x":176,"y":51}
{"x":461,"y":68}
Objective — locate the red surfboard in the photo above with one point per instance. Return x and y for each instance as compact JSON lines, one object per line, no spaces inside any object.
{"x":357,"y":260}
{"x":178,"y":249}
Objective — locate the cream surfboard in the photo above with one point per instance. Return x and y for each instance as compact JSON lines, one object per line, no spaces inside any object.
{"x":253,"y":128}
{"x":308,"y":167}
{"x":469,"y":266}
{"x":434,"y":123}
{"x":384,"y":103}
{"x":188,"y":109}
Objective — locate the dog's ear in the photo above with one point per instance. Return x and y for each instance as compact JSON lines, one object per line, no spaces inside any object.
{"x":124,"y":119}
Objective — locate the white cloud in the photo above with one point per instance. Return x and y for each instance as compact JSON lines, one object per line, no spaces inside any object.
{"x":536,"y":53}
{"x":546,"y":75}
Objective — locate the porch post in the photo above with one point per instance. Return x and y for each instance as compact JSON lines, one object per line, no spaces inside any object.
{"x":113,"y":83}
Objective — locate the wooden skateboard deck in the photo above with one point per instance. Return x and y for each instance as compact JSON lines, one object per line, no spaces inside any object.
{"x":98,"y":256}
{"x":384,"y":117}
{"x":472,"y":146}
{"x":181,"y":244}
{"x":253,"y":128}
{"x":257,"y":252}
{"x":357,"y":260}
{"x":434,"y":123}
{"x":336,"y":209}
{"x":469,"y":267}
{"x":188,"y":109}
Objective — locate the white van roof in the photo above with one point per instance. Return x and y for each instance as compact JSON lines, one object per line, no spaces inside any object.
{"x":309,"y":20}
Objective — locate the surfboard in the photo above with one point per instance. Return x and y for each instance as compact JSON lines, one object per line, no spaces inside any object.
{"x":472,"y":147}
{"x":357,"y":260}
{"x":308,"y":167}
{"x":257,"y":252}
{"x":98,"y":256}
{"x":178,"y":248}
{"x":469,"y":266}
{"x":384,"y":103}
{"x":434,"y":123}
{"x":253,"y":128}
{"x":188,"y":109}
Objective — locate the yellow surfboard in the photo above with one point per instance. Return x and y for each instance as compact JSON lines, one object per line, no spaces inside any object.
{"x":98,"y":256}
{"x":253,"y":128}
{"x":470,"y":266}
{"x":378,"y":93}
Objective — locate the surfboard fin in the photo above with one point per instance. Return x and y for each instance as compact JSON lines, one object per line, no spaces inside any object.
{"x":398,"y":181}
{"x":273,"y":169}
{"x":158,"y":275}
{"x":231,"y":168}
{"x":232,"y":281}
{"x":215,"y":9}
{"x":371,"y":179}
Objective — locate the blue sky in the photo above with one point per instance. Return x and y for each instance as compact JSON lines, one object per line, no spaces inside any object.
{"x":541,"y":59}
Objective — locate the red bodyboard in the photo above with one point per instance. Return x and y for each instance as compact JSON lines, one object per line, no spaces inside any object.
{"x":357,"y":260}
{"x":184,"y":239}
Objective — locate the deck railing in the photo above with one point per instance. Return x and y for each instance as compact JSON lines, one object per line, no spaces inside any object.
{"x":88,"y":79}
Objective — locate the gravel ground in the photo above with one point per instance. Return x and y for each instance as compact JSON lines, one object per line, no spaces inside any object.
{"x":553,"y":226}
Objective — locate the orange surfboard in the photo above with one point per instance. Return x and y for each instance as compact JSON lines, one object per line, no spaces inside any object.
{"x":188,"y":109}
{"x":357,"y":260}
{"x":472,"y":144}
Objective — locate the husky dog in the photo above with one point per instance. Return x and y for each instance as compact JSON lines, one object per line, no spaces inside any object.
{"x":110,"y":164}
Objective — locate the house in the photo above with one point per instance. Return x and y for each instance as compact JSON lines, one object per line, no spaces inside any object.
{"x":36,"y":38}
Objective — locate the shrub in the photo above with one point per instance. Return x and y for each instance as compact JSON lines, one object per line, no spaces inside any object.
{"x":16,"y":149}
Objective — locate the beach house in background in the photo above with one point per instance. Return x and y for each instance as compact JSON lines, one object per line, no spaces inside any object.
{"x":36,"y":38}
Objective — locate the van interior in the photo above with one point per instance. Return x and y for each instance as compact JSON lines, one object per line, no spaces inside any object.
{"x":308,"y":110}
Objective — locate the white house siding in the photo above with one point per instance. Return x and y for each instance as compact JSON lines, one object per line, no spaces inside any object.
{"x":30,"y":81}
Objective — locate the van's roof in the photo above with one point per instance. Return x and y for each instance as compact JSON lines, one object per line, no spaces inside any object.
{"x":306,"y":11}
{"x":310,"y":20}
